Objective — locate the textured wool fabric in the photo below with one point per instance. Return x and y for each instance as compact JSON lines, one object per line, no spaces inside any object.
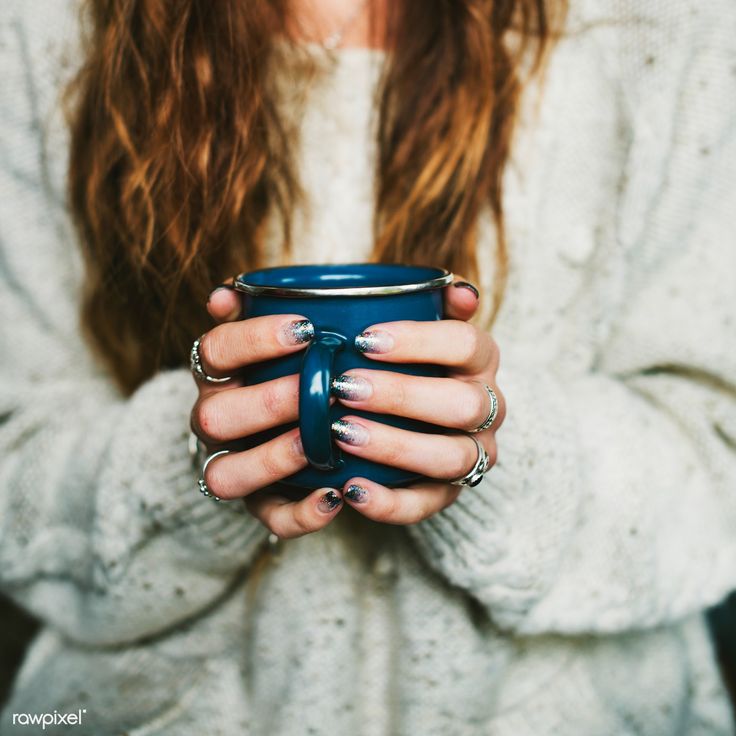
{"x":561,"y":597}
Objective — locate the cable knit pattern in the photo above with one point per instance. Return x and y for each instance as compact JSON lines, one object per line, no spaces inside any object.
{"x":88,"y":536}
{"x":561,"y":597}
{"x":629,"y":457}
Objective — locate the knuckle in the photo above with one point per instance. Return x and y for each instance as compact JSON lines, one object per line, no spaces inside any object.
{"x":211,"y":348}
{"x":474,"y":409}
{"x":424,"y":509}
{"x":290,"y":529}
{"x":217,"y":479}
{"x":385,"y":511}
{"x":276,"y":524}
{"x":303,"y":521}
{"x":468,"y":342}
{"x":271,"y":461}
{"x":208,"y":418}
{"x":251,"y":339}
{"x":458,"y":467}
{"x":397,"y":397}
{"x":462,"y":460}
{"x":394,"y":452}
{"x":481,"y":406}
{"x":272,"y":399}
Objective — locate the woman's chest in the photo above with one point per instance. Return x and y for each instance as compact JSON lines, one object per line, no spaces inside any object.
{"x":562,"y":186}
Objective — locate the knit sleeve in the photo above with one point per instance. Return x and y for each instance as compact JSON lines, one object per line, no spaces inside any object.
{"x":103,"y":533}
{"x":613,"y":504}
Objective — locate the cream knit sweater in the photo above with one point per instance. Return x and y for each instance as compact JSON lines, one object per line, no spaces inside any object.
{"x":562,"y":596}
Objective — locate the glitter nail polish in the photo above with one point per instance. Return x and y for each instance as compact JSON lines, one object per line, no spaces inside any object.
{"x":350,"y":432}
{"x":374,"y":341}
{"x":297,"y":332}
{"x":356,"y":493}
{"x":352,"y":388}
{"x":329,"y":502}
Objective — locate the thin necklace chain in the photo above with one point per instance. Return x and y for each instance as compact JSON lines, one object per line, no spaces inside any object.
{"x":335,"y":39}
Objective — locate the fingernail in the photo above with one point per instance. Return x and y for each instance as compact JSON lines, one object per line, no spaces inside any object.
{"x":468,"y":286}
{"x":329,"y":502}
{"x":222,"y":287}
{"x":356,"y":493}
{"x":297,"y":332}
{"x":350,"y":432}
{"x":374,"y":341}
{"x":352,"y":388}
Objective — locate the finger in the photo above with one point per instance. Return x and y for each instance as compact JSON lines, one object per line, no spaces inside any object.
{"x":398,"y":505}
{"x":228,"y":415}
{"x":290,"y":519}
{"x":461,"y":299}
{"x":232,"y":345}
{"x":224,"y":303}
{"x":205,"y":389}
{"x":448,"y":342}
{"x":239,"y":473}
{"x":440,"y":456}
{"x":448,"y":402}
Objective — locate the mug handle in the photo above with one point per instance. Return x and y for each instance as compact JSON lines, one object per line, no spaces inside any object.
{"x":314,"y":400}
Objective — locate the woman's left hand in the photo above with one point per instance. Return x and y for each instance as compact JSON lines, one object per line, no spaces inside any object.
{"x":458,"y":402}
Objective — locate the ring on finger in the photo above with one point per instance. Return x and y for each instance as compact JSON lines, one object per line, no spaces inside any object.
{"x":195,"y":365}
{"x":492,"y":411}
{"x":203,"y":488}
{"x":476,"y":473}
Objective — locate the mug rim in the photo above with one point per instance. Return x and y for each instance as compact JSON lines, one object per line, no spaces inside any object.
{"x":444,"y":279}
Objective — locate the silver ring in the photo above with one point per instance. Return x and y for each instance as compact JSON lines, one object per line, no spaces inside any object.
{"x":203,"y":489}
{"x":493,"y":411}
{"x":476,"y":473}
{"x":195,"y":364}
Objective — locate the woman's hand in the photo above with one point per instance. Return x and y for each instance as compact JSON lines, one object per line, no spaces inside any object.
{"x":230,"y":411}
{"x":458,"y":402}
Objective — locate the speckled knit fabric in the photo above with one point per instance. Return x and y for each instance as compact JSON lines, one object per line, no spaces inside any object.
{"x":562,"y":596}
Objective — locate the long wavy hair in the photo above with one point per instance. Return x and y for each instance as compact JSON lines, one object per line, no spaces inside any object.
{"x":178,"y":156}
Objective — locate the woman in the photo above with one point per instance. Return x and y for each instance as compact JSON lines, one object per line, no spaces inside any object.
{"x":563,"y":594}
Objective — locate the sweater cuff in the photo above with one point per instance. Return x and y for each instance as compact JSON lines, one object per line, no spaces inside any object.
{"x":502,"y":540}
{"x":149,"y":486}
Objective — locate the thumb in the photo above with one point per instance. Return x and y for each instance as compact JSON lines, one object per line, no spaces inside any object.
{"x":224,"y":303}
{"x":461,"y":299}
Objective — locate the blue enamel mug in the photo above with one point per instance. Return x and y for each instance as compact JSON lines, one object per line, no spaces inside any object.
{"x":341,"y":301}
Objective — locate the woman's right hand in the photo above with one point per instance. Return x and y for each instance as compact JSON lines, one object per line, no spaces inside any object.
{"x":230,"y":411}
